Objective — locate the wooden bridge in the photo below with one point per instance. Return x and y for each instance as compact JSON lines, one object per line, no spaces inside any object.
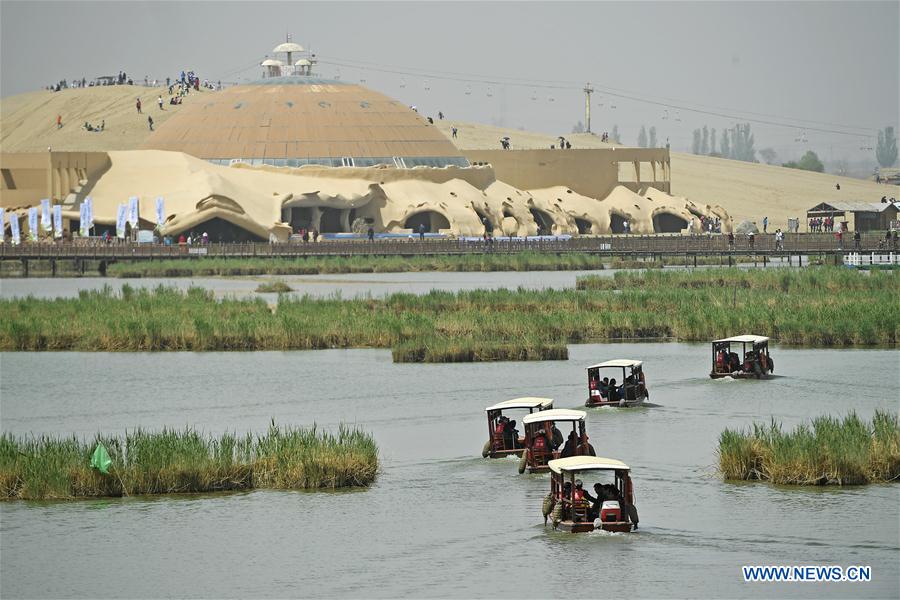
{"x":763,"y":248}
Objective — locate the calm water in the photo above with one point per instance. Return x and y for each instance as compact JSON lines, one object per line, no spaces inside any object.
{"x":441,"y":521}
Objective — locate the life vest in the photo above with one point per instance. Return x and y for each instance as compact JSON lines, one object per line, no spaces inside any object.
{"x":577,"y":496}
{"x":498,"y":430}
{"x":540,"y":443}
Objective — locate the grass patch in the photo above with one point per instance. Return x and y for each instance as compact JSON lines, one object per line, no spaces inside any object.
{"x":815,"y":307}
{"x":315,"y":265}
{"x":830,"y":451}
{"x":274,"y":287}
{"x":170,"y":461}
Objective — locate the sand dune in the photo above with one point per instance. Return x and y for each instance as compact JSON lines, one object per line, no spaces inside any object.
{"x":28,"y":121}
{"x":746,"y":190}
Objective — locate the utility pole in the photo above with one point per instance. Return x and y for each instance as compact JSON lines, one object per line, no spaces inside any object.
{"x":588,"y":90}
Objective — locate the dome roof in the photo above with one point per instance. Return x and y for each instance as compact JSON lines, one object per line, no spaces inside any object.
{"x":271,"y":62}
{"x":288,"y":47}
{"x":303,"y":118}
{"x":303,"y":62}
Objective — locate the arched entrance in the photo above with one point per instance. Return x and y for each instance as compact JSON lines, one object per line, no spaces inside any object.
{"x":433,"y":221}
{"x":584,"y":226}
{"x":220,"y":230}
{"x":543,"y":220}
{"x":668,"y":223}
{"x":617,"y":223}
{"x":331,"y":221}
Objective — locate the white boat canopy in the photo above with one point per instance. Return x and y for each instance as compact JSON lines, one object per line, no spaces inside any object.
{"x":556,"y":414}
{"x":586,"y":463}
{"x":744,"y":339}
{"x":528,"y":402}
{"x":619,"y":362}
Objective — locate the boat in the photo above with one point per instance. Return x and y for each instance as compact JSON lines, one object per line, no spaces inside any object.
{"x":568,"y":506}
{"x":754,"y":361}
{"x":502,"y":437}
{"x":629,"y":389}
{"x":545,"y":439}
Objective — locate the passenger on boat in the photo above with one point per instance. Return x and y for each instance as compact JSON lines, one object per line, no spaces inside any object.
{"x":594,"y":386}
{"x":721,"y":361}
{"x":579,"y":503}
{"x":570,"y":447}
{"x":557,"y":437}
{"x":511,"y":435}
{"x":500,"y":434}
{"x":604,"y":387}
{"x":540,"y":443}
{"x":612,"y":393}
{"x":734,"y":362}
{"x":566,"y":494}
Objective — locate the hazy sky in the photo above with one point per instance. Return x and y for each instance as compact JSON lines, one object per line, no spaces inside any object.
{"x":808,"y":65}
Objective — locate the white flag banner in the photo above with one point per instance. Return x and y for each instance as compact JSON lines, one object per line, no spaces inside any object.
{"x":46,"y":225}
{"x":120,"y":221}
{"x":57,"y":221}
{"x":89,"y":214}
{"x":14,"y":228}
{"x":2,"y":227}
{"x":133,"y":211}
{"x":33,"y":223}
{"x":160,"y":211}
{"x":85,"y":225}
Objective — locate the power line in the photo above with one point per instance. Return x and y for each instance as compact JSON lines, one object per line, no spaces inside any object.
{"x":576,"y":87}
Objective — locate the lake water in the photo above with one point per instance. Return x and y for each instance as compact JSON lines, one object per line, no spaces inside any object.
{"x":440,"y":520}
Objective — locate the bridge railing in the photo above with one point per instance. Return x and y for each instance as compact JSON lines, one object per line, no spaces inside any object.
{"x":612,"y":245}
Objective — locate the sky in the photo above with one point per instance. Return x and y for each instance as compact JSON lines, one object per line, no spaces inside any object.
{"x":819,"y":75}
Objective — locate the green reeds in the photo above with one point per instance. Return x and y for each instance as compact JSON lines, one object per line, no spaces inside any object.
{"x":274,"y":287}
{"x":816,"y":307}
{"x":829,"y":452}
{"x":314,"y":265}
{"x":182,"y":461}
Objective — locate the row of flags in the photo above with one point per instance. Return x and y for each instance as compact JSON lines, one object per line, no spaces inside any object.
{"x":51,"y":218}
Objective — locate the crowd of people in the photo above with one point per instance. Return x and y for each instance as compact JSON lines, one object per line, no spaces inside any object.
{"x":820,"y":224}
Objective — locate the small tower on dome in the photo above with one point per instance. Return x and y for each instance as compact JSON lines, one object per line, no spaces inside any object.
{"x":275,"y":67}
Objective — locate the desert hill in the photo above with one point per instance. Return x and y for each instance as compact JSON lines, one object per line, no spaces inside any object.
{"x":745,"y":190}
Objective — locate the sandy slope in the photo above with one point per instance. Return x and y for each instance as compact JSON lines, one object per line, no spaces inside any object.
{"x":745,"y":190}
{"x":28,"y":121}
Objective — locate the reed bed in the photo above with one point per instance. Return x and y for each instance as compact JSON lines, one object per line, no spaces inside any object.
{"x":815,"y":307}
{"x":182,"y":461}
{"x":314,"y":265}
{"x":830,"y":451}
{"x":274,"y":287}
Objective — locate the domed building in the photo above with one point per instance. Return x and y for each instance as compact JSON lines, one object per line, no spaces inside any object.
{"x":296,"y":120}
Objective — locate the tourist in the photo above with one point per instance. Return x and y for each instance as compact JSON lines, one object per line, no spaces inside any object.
{"x":779,"y":240}
{"x":440,"y":115}
{"x":765,"y":224}
{"x":204,"y":238}
{"x":557,"y":436}
{"x":138,"y":105}
{"x":150,"y":122}
{"x":370,"y":234}
{"x":181,"y":240}
{"x":159,"y":100}
{"x":840,"y":239}
{"x":750,"y":239}
{"x":315,"y":235}
{"x":59,"y":121}
{"x":731,"y":240}
{"x":421,"y":231}
{"x":571,"y":445}
{"x":453,"y":132}
{"x":856,"y":239}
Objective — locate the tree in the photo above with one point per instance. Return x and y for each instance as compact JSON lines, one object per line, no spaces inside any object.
{"x":704,"y":143}
{"x":724,"y":146}
{"x":578,"y":127}
{"x":653,"y":137}
{"x":615,"y":135}
{"x":695,"y":146}
{"x":809,"y":162}
{"x":642,"y":137}
{"x":742,"y":143}
{"x":712,"y":140}
{"x":768,"y":155}
{"x":886,"y":150}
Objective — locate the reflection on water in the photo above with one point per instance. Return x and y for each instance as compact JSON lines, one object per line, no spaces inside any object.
{"x":441,"y":521}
